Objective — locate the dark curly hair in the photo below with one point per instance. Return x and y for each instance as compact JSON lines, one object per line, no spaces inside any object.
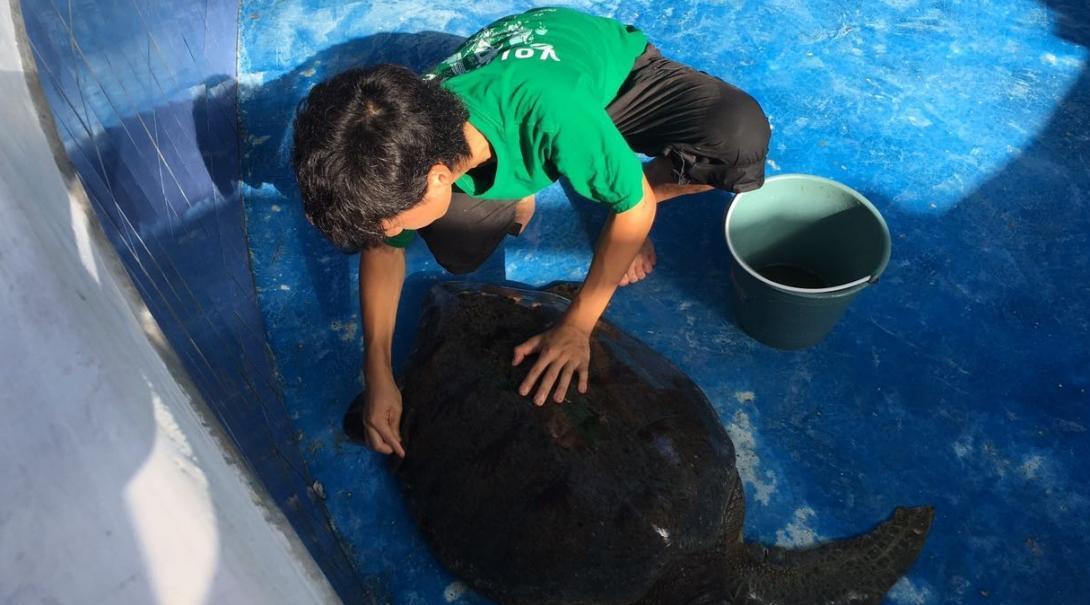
{"x":364,"y":143}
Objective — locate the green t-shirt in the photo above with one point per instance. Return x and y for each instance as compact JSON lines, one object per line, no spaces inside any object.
{"x":537,"y":85}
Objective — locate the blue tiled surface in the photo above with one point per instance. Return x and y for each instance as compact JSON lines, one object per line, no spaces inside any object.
{"x":145,"y":101}
{"x":960,"y":380}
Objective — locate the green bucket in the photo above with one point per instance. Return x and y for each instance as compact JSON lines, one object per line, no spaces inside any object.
{"x":802,"y":247}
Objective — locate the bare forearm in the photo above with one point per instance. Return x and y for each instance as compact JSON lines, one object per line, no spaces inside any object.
{"x":620,"y":241}
{"x":382,"y":272}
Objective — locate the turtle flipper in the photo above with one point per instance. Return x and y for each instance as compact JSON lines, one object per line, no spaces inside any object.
{"x":854,"y":571}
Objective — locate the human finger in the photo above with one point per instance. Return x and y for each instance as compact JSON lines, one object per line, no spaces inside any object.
{"x":565,"y":381}
{"x":526,"y":349}
{"x":375,"y":441}
{"x":547,"y":382}
{"x":533,"y":374}
{"x":391,"y":438}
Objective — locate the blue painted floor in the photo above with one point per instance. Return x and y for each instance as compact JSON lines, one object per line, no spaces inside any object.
{"x":960,"y":380}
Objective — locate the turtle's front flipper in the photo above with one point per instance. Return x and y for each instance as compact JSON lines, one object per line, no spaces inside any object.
{"x":855,"y":571}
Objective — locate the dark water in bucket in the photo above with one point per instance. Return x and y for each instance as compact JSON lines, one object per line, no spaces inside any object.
{"x":793,"y":275}
{"x":803,"y":247}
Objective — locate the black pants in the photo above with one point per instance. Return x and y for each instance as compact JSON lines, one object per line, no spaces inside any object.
{"x":713,"y":134}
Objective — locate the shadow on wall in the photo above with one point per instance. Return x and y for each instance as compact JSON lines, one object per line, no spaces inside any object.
{"x":84,"y":428}
{"x":155,"y":202}
{"x":46,"y":468}
{"x":160,"y":167}
{"x":164,"y":230}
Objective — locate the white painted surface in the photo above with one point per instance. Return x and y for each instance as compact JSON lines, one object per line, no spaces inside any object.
{"x":113,"y":489}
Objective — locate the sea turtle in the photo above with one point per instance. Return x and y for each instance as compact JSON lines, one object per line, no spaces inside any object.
{"x":628,"y":494}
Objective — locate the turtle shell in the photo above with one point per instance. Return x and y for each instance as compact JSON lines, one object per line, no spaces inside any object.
{"x":586,"y":501}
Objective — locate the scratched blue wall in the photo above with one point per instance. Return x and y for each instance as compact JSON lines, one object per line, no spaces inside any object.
{"x":960,"y":380}
{"x":145,"y":100}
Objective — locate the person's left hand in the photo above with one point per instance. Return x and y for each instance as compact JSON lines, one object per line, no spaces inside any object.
{"x":562,"y":351}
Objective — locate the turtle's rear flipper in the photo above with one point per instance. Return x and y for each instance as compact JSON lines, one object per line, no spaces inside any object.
{"x":855,"y":571}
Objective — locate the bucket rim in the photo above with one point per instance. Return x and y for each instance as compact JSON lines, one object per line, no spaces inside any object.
{"x":862,"y":281}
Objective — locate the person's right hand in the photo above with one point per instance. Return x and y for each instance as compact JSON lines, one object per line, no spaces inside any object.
{"x":382,"y":416}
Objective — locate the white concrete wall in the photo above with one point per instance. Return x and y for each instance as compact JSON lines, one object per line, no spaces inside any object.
{"x":115,"y":486}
